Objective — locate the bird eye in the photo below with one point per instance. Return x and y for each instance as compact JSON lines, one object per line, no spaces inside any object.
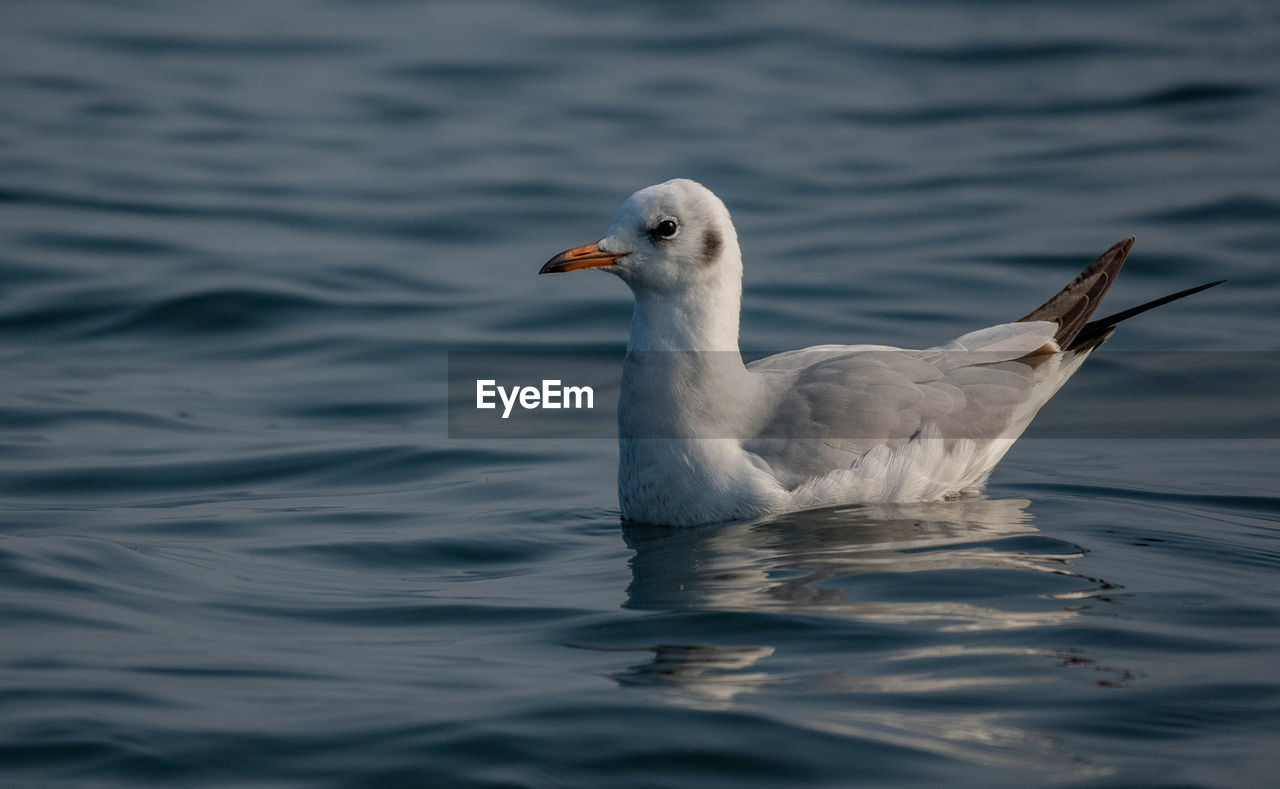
{"x":665,"y":229}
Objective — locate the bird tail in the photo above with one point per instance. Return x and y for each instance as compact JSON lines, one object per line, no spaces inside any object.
{"x":1072,"y":307}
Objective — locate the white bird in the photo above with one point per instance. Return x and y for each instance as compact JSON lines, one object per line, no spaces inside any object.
{"x":705,"y":438}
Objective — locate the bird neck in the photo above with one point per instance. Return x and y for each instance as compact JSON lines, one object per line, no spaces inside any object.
{"x":691,"y":320}
{"x":683,"y":375}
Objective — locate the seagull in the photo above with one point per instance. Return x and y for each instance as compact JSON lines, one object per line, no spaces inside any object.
{"x":707,"y":438}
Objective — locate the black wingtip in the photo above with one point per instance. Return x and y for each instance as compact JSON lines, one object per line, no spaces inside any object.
{"x":1071,"y":307}
{"x":1095,"y":332}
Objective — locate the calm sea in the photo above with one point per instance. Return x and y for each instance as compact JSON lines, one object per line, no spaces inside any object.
{"x":239,"y":240}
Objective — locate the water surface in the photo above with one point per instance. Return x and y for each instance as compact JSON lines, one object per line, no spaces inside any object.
{"x":239,"y":547}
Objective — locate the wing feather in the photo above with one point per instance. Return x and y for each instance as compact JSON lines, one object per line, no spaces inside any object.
{"x":834,"y":404}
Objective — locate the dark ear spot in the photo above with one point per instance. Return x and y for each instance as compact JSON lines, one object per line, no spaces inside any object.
{"x":711,"y":244}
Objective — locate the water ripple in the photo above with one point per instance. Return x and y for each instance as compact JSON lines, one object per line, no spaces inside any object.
{"x":236,"y":47}
{"x":239,"y":547}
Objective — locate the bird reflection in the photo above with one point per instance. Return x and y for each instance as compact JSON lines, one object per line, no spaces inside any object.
{"x":934,"y":583}
{"x":810,"y":562}
{"x":704,"y":675}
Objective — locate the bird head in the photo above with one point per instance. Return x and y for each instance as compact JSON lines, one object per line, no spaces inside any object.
{"x":672,"y":237}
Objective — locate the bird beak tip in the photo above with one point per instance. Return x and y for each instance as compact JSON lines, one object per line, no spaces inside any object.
{"x":585,"y":256}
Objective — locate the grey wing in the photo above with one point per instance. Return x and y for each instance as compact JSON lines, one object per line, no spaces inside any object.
{"x":832,"y":404}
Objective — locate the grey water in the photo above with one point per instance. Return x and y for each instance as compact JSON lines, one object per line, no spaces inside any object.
{"x":239,"y":546}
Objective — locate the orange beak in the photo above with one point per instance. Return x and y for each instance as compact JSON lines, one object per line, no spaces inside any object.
{"x":585,"y":256}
